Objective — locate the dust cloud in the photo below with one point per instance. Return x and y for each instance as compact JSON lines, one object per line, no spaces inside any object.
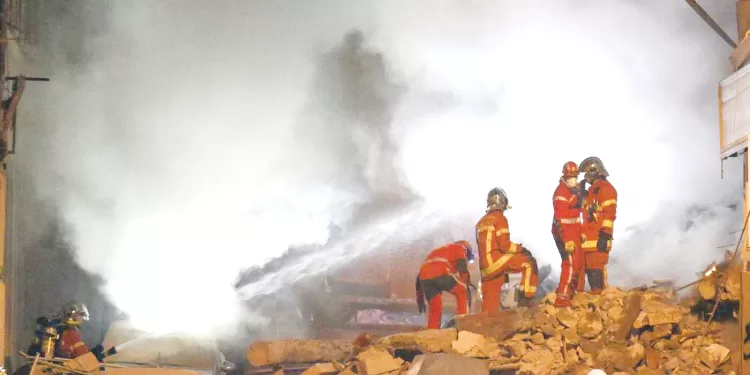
{"x":190,"y":140}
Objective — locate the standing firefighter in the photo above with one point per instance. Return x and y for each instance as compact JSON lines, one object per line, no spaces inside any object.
{"x":599,"y":212}
{"x":445,"y":270}
{"x":71,"y":344}
{"x":498,"y":256}
{"x":566,"y":230}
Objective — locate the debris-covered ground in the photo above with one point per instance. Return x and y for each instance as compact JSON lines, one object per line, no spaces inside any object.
{"x":635,"y":332}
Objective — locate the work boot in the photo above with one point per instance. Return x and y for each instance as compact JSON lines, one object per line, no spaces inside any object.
{"x":449,"y":324}
{"x":524,"y":301}
{"x":562,"y":300}
{"x":596,"y":280}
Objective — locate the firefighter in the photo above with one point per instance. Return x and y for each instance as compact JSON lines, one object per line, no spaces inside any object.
{"x":599,"y":212}
{"x":71,"y":344}
{"x":45,"y":338}
{"x":566,"y":231}
{"x":498,"y":256}
{"x":445,"y":269}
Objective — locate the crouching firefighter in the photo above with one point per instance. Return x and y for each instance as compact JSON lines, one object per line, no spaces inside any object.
{"x":498,"y":256}
{"x":71,"y":344}
{"x":445,"y":270}
{"x":566,"y":231}
{"x":599,"y":212}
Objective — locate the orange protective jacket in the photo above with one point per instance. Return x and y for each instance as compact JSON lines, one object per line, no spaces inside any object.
{"x":599,"y":213}
{"x":493,"y":239}
{"x":71,"y":344}
{"x":446,"y":260}
{"x":567,"y":216}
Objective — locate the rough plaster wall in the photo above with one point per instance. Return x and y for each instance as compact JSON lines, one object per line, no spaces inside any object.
{"x":41,"y":273}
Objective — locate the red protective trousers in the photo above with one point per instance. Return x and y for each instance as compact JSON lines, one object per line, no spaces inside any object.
{"x":492,"y":284}
{"x":596,"y":269}
{"x":571,"y":270}
{"x":435,"y":306}
{"x":599,"y":213}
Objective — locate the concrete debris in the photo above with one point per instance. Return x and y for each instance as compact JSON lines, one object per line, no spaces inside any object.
{"x":567,"y":318}
{"x":426,"y":341}
{"x":628,"y":332}
{"x":653,"y":358}
{"x":655,"y":312}
{"x":416,"y":365}
{"x":473,"y":345}
{"x":374,"y":361}
{"x":321,"y":369}
{"x":263,"y":353}
{"x":590,"y":325}
{"x":451,"y":364}
{"x":714,"y":355}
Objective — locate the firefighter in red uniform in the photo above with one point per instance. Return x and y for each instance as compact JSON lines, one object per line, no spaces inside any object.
{"x":445,"y":270}
{"x":498,"y":256}
{"x":566,"y":231}
{"x":71,"y":344}
{"x":599,"y":213}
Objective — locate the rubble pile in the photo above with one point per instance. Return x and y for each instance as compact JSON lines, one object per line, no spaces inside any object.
{"x":642,"y":332}
{"x":634,"y":332}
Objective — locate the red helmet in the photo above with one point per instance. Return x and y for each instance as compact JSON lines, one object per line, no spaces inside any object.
{"x":570,"y":169}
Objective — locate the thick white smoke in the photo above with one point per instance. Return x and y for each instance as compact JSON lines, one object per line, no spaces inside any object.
{"x":200,"y":139}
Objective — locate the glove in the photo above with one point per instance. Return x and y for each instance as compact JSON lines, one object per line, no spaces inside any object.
{"x":523,"y":250}
{"x":601,"y":244}
{"x":570,"y":246}
{"x":98,"y":352}
{"x":591,"y":212}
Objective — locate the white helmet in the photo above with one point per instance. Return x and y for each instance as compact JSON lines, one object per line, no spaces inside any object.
{"x":74,"y":313}
{"x":497,"y":200}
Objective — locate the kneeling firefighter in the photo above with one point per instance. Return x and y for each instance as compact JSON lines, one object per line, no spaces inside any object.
{"x":498,"y":256}
{"x":60,"y":336}
{"x":71,"y":344}
{"x":445,"y":270}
